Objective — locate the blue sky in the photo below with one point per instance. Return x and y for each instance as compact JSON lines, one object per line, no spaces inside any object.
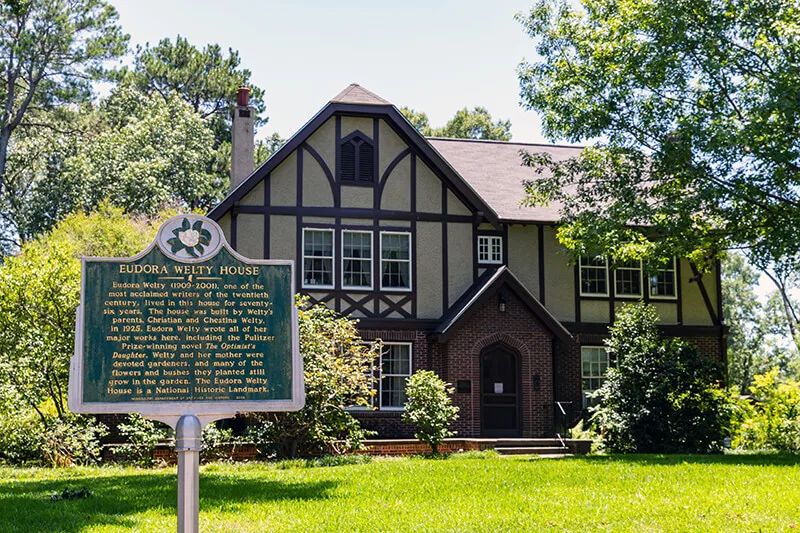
{"x":434,"y":56}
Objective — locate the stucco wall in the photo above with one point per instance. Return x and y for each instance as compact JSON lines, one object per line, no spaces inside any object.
{"x":459,"y":260}
{"x":523,"y":256}
{"x":429,"y":269}
{"x":559,"y":279}
{"x":250,"y":235}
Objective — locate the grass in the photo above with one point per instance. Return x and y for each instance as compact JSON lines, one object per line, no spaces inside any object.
{"x":473,"y":492}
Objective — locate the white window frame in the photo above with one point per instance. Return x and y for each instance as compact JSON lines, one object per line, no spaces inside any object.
{"x":409,"y":261}
{"x":490,"y":240}
{"x":371,"y":261}
{"x":580,"y":276}
{"x":382,"y":375}
{"x":674,"y":295}
{"x":332,"y":258}
{"x":592,"y":375}
{"x":618,"y":269}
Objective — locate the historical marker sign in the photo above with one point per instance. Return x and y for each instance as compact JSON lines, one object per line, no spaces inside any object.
{"x":186,"y":327}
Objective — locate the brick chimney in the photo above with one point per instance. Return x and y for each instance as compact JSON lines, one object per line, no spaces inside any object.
{"x":242,"y":141}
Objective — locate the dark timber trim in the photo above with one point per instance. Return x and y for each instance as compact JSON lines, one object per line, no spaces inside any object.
{"x":540,"y":243}
{"x":505,"y":244}
{"x":394,"y":120}
{"x":355,"y":212}
{"x":612,"y":293}
{"x":234,"y":225}
{"x":299,"y":220}
{"x":267,"y":200}
{"x":445,"y":256}
{"x":679,"y":289}
{"x":709,"y":306}
{"x":413,"y":192}
{"x":673,"y":330}
{"x":577,"y":295}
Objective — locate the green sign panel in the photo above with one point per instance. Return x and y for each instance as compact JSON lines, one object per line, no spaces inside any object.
{"x":187,"y":326}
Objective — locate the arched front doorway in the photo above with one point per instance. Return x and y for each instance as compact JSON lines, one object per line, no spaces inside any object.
{"x":500,"y":392}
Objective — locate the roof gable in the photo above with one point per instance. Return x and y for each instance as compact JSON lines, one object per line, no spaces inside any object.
{"x":356,"y":94}
{"x":394,"y":119}
{"x":487,"y":286}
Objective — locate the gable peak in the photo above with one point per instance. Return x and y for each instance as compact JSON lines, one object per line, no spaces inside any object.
{"x":356,"y":94}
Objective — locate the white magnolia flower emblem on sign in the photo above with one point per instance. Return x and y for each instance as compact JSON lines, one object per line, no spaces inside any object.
{"x":189,"y":238}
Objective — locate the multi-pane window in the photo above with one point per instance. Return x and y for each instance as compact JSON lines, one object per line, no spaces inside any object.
{"x":395,"y":370}
{"x":490,"y":249}
{"x":662,"y":282}
{"x":628,"y":278}
{"x":594,"y":276}
{"x":594,"y":363}
{"x":317,"y":258}
{"x":395,"y":260}
{"x":357,"y":259}
{"x":358,"y":159}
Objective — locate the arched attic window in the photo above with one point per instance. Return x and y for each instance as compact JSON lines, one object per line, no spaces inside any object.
{"x":358,"y":159}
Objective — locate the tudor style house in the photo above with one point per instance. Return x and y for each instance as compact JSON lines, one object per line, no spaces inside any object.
{"x":426,"y":243}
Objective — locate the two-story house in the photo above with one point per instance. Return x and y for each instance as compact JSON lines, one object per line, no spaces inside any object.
{"x":426,"y":243}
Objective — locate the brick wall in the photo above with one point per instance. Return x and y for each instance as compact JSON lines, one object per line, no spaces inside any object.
{"x":519,"y":330}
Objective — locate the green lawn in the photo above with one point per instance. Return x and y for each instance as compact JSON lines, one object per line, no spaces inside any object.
{"x":462,"y":493}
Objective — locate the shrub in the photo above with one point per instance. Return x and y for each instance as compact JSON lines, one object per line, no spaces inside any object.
{"x":26,"y":438}
{"x":429,"y":408}
{"x":336,"y":367}
{"x":663,"y":396}
{"x":142,"y":436}
{"x":72,"y":440}
{"x":774,"y":420}
{"x":214,"y":446}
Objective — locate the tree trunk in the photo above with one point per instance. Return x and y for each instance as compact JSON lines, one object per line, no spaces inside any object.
{"x":5,"y":135}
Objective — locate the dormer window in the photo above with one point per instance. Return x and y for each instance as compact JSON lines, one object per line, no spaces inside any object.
{"x":358,"y":159}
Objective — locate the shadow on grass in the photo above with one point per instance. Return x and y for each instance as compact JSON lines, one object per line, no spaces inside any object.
{"x":756,"y":459}
{"x":26,"y":505}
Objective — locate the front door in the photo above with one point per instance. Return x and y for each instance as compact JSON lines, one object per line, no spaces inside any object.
{"x":499,"y":393}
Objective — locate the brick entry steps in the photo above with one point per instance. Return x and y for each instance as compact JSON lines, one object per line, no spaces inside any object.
{"x":544,"y":447}
{"x":547,"y":447}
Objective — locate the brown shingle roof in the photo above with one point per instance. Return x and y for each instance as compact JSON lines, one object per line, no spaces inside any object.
{"x":494,"y":170}
{"x":356,"y":94}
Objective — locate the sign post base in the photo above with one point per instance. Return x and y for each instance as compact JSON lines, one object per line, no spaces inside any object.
{"x":188,"y":436}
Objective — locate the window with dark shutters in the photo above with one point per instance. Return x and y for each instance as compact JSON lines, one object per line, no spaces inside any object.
{"x":358,"y":159}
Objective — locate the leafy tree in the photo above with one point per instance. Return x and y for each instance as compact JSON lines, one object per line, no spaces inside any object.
{"x":695,"y":103}
{"x":774,"y":421}
{"x":149,"y":154}
{"x":39,"y":293}
{"x":418,"y":119}
{"x":336,"y":366}
{"x":466,"y":124}
{"x":50,"y":53}
{"x":205,"y":79}
{"x":265,"y":148}
{"x":475,"y":124}
{"x":743,"y":314}
{"x":38,"y":193}
{"x":430,"y":408}
{"x":662,"y":396}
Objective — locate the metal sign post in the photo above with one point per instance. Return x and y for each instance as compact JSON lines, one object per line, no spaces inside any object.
{"x":186,"y":332}
{"x":188,"y":438}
